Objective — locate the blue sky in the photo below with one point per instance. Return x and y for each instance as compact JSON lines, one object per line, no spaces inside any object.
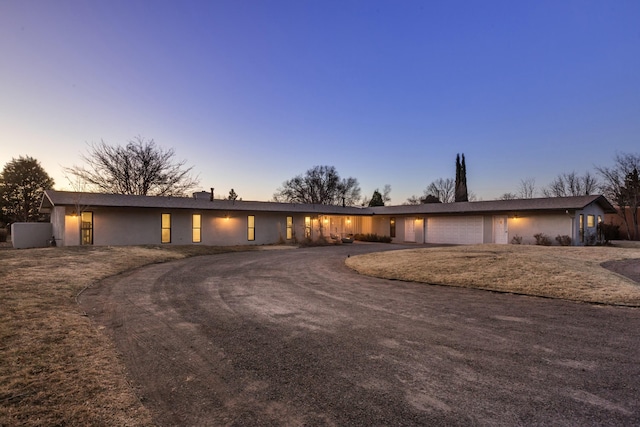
{"x":251,"y":93}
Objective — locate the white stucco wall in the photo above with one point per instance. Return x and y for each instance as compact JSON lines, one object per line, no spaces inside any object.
{"x":590,"y":233}
{"x":31,"y":234}
{"x":139,"y":226}
{"x":117,"y":226}
{"x":526,"y":226}
{"x":58,"y":224}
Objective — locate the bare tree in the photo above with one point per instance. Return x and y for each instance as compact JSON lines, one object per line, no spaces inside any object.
{"x":386,"y":191}
{"x":621,"y":185}
{"x":320,"y":185}
{"x":571,"y":184}
{"x":508,"y":196}
{"x":413,"y":200}
{"x":527,"y":188}
{"x":140,"y":167}
{"x":443,"y":189}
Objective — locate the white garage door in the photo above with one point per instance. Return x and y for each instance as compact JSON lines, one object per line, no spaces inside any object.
{"x":459,"y":230}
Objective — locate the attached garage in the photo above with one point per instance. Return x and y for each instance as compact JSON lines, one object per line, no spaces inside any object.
{"x":463,"y":230}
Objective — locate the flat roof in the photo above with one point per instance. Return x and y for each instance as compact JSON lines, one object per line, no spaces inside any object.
{"x":53,"y":198}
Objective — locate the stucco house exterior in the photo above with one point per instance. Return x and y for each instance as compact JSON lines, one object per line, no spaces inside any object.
{"x":111,"y":219}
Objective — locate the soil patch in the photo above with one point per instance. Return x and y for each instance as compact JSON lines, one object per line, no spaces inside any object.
{"x":296,"y":338}
{"x":56,"y":368}
{"x":628,"y":267}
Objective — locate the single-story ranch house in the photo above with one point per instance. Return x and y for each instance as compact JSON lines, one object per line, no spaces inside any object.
{"x":112,"y":219}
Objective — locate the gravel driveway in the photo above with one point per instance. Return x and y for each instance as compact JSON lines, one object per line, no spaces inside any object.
{"x":293,"y":337}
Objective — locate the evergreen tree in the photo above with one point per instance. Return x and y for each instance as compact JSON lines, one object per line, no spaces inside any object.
{"x":462,"y":194}
{"x":429,"y":198}
{"x":631,"y":192}
{"x":233,"y":195}
{"x":22,"y":184}
{"x":376,"y":199}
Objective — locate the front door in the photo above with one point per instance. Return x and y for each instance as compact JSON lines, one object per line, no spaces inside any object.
{"x":409,"y":230}
{"x":500,"y":230}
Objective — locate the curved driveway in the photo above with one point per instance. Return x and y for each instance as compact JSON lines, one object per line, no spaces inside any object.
{"x":293,"y":337}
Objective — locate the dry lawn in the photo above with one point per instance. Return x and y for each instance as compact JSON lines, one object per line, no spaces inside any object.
{"x":55,"y":367}
{"x":572,"y":273}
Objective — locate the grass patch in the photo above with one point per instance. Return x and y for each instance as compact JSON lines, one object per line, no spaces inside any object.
{"x":572,"y":273}
{"x":55,"y":367}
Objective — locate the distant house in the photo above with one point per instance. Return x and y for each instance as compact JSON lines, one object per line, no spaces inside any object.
{"x":111,"y":219}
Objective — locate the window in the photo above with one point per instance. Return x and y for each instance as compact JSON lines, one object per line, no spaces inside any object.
{"x":86,"y":228}
{"x":196,"y":231}
{"x":166,"y":228}
{"x":591,"y":221}
{"x":581,"y":228}
{"x":392,"y":230}
{"x":289,"y":227}
{"x":251,"y":227}
{"x":307,"y":227}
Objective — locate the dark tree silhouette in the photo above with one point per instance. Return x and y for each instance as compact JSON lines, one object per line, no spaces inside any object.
{"x":140,"y":167}
{"x":319,"y":185}
{"x":376,"y":199}
{"x":22,"y":184}
{"x":461,"y":194}
{"x":429,"y":198}
{"x":571,"y":184}
{"x":441,"y":189}
{"x":622,"y":187}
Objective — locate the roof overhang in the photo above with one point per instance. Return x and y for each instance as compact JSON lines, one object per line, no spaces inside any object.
{"x":54,"y":198}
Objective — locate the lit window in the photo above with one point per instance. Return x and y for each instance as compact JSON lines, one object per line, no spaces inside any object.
{"x":392,"y":228}
{"x":581,"y":228}
{"x":87,"y":228}
{"x":307,"y":226}
{"x":251,"y":227}
{"x":196,"y":233}
{"x":166,"y":228}
{"x":591,"y":221}
{"x":289,"y":227}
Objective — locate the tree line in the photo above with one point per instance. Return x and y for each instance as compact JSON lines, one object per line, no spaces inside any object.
{"x":141,"y":167}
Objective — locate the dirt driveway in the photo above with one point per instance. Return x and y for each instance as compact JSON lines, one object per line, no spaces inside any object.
{"x":294,"y":337}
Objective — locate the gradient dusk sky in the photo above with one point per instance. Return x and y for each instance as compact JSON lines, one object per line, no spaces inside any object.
{"x":251,"y":93}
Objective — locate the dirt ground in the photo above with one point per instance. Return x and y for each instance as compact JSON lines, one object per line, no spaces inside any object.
{"x":629,"y":268}
{"x":296,"y":338}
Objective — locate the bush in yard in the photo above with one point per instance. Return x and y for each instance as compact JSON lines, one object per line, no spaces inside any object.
{"x":308,"y":242}
{"x":516,"y":240}
{"x":542,"y":239}
{"x":372,"y":238}
{"x":608,"y":232}
{"x":3,"y":235}
{"x":563,"y":240}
